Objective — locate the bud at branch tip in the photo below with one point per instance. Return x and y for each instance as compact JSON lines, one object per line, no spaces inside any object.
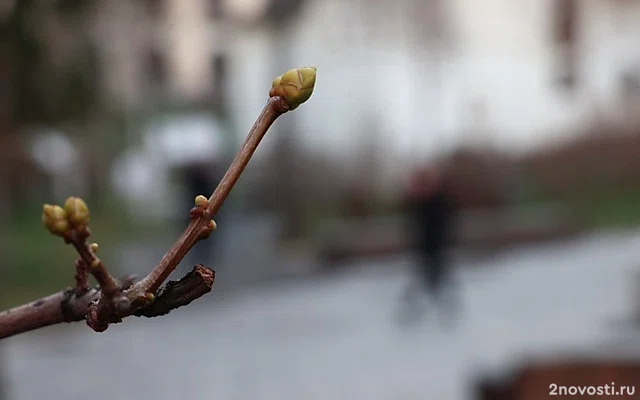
{"x":54,"y":218}
{"x":294,"y":86}
{"x":77,"y":212}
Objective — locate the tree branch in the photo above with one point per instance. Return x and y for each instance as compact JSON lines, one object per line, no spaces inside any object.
{"x":64,"y":306}
{"x":78,"y":238}
{"x":71,"y":305}
{"x":115,"y":299}
{"x":196,"y":228}
{"x":176,"y":294}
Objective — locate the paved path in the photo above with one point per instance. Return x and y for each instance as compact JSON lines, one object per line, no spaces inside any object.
{"x":334,"y":337}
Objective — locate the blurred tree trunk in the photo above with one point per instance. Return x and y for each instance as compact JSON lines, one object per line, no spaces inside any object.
{"x":10,"y":152}
{"x":45,"y":79}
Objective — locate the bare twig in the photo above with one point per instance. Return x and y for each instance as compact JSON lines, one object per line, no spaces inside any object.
{"x":115,"y":299}
{"x":180,"y":293}
{"x":78,"y":238}
{"x":60,"y":307}
{"x":114,"y":302}
{"x":272,"y":110}
{"x":111,"y":297}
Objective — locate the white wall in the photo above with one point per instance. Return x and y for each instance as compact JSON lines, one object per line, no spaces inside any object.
{"x":122,"y":33}
{"x":506,"y":59}
{"x":611,"y":45}
{"x":502,"y":55}
{"x":249,"y":80}
{"x":189,"y":51}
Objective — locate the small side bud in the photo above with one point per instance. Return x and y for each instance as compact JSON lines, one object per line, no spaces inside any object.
{"x":146,"y":298}
{"x":54,"y":218}
{"x":95,"y":264}
{"x":77,"y":211}
{"x":94,"y":247}
{"x":201,"y":201}
{"x":206,"y":232}
{"x":294,"y":86}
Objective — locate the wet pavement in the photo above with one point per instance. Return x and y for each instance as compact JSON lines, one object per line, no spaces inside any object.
{"x":335,"y":337}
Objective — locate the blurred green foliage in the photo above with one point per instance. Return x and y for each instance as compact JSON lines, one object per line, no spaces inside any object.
{"x":38,"y":263}
{"x":44,"y":89}
{"x":607,"y":207}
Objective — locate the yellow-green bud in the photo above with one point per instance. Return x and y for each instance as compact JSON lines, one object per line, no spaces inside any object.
{"x":201,"y":201}
{"x":294,"y":86}
{"x":60,"y":227}
{"x":77,"y":211}
{"x":94,"y":247}
{"x":206,"y":232}
{"x":150,"y":296}
{"x":54,"y":219}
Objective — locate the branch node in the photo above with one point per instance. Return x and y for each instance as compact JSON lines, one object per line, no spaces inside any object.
{"x":93,"y":318}
{"x":206,"y":231}
{"x":196,"y":212}
{"x":95,"y":265}
{"x":127,"y":281}
{"x":122,"y":304}
{"x":179,"y":293}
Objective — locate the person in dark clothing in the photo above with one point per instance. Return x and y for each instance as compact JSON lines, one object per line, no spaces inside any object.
{"x":430,"y":208}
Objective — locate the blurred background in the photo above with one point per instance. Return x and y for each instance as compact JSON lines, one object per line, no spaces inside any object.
{"x":531,"y":107}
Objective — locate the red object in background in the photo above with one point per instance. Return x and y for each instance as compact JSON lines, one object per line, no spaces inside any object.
{"x":537,"y":381}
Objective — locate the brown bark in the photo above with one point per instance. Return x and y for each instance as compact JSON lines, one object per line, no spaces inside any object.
{"x":71,"y":305}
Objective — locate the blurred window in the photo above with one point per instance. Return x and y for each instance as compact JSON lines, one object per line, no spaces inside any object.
{"x":216,"y":9}
{"x":219,"y":75}
{"x":155,"y":67}
{"x":565,"y":35}
{"x":155,"y":8}
{"x":565,"y":27}
{"x":629,"y":84}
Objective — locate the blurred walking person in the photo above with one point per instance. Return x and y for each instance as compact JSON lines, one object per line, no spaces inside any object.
{"x":430,"y":210}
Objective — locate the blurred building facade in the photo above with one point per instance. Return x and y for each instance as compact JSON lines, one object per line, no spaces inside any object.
{"x":513,"y":75}
{"x":413,"y":78}
{"x":429,"y":75}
